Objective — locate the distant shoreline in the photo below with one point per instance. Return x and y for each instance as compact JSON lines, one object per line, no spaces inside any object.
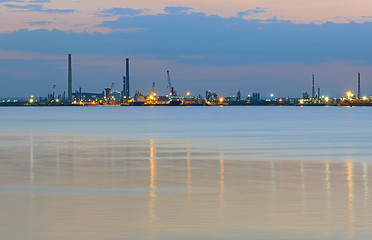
{"x":183,"y":105}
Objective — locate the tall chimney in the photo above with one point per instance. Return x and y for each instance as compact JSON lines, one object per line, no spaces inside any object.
{"x":69,"y":79}
{"x":318,"y":93}
{"x":358,"y":85}
{"x":313,"y":85}
{"x":123,"y":92}
{"x":127,"y":93}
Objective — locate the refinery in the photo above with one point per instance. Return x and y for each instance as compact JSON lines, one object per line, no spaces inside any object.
{"x":108,"y":97}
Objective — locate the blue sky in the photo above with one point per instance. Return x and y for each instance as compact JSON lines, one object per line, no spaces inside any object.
{"x":204,"y":50}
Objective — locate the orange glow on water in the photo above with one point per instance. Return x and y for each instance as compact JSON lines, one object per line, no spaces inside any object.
{"x":153,"y":170}
{"x":349,"y":170}
{"x":350,"y":179}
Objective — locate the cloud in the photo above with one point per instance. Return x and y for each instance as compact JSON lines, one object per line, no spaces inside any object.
{"x":3,"y":1}
{"x":176,"y":10}
{"x":18,"y":55}
{"x":39,"y":1}
{"x":30,"y":7}
{"x":39,"y":23}
{"x":21,"y":1}
{"x":236,"y":40}
{"x":119,"y":12}
{"x":251,"y":12}
{"x":221,"y":41}
{"x":38,"y":8}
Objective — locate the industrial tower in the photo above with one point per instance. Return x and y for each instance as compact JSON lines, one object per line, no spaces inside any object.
{"x":358,"y":85}
{"x":127,"y":93}
{"x":313,"y":86}
{"x":69,"y":89}
{"x":123,"y":92}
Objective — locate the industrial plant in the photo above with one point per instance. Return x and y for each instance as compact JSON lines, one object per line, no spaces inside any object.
{"x":107,"y":97}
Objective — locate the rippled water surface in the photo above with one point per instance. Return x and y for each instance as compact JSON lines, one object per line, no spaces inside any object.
{"x":185,"y":173}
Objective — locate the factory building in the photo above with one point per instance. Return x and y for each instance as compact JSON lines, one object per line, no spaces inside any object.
{"x":255,"y":97}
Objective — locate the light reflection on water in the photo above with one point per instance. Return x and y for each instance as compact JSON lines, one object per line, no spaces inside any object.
{"x":153,"y":167}
{"x":93,"y":186}
{"x":102,"y":192}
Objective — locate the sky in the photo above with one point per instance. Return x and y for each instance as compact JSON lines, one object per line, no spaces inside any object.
{"x":265,"y":46}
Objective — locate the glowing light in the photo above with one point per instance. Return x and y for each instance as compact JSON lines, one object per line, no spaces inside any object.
{"x":348,"y":94}
{"x":188,"y":94}
{"x":280,"y":100}
{"x":272,"y":95}
{"x":301,"y":101}
{"x":57,"y":100}
{"x":364,"y":98}
{"x":31,"y":100}
{"x":326,"y":99}
{"x":221,"y":100}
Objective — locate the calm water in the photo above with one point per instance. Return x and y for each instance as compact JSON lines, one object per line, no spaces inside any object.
{"x":185,"y":173}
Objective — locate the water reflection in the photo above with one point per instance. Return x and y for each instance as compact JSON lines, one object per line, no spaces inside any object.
{"x":222,"y":185}
{"x":160,"y":189}
{"x":188,"y":181}
{"x":57,"y":161}
{"x":188,"y":162}
{"x":32,"y":180}
{"x":349,"y":170}
{"x":365,"y":181}
{"x":303,"y":185}
{"x":153,"y":169}
{"x":328,"y":185}
{"x":273,"y":181}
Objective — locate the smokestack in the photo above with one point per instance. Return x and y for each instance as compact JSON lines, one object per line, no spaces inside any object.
{"x":358,"y":85}
{"x":127,"y":93}
{"x":69,"y":90}
{"x":313,"y":85}
{"x":318,"y":93}
{"x":123,"y":92}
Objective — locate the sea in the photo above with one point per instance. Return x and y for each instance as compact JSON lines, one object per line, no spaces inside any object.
{"x":164,"y":173}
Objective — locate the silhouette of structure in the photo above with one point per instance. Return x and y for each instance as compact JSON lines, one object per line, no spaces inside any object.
{"x":127,"y":93}
{"x":69,"y":90}
{"x":313,"y":96}
{"x":358,"y":85}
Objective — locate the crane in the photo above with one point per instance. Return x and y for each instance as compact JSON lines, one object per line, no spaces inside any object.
{"x":152,"y":89}
{"x":77,"y":95}
{"x":51,"y":93}
{"x":109,"y":93}
{"x":172,"y":93}
{"x":151,"y":99}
